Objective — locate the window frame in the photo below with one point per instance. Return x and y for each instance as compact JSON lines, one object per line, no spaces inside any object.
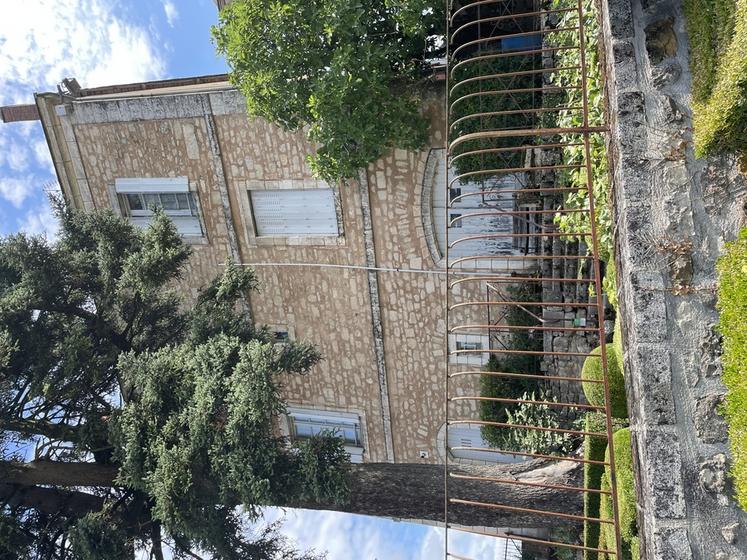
{"x":473,"y":358}
{"x":355,"y":448}
{"x":145,"y":212}
{"x":125,"y":187}
{"x":249,"y":223}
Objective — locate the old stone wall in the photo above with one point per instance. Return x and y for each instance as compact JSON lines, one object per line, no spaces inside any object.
{"x":674,"y":213}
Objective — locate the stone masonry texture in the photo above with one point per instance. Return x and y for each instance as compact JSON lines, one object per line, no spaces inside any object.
{"x":206,"y":136}
{"x":673,"y":215}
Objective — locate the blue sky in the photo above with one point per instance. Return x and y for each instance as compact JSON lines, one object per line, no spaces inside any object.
{"x":102,"y":42}
{"x":98,"y":42}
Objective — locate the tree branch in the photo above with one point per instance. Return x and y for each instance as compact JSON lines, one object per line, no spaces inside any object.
{"x":50,"y":501}
{"x":416,"y":491}
{"x":51,"y":430}
{"x":57,"y":473}
{"x":183,"y":547}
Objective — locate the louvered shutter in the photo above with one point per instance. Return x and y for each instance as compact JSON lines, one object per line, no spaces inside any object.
{"x":469,"y":436}
{"x":281,"y":212}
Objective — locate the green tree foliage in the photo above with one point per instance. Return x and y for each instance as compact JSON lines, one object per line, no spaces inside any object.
{"x":169,"y":411}
{"x":346,"y":70}
{"x":539,"y":415}
{"x":575,"y":154}
{"x":513,"y":387}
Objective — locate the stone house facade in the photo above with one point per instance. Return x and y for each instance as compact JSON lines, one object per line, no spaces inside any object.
{"x":355,"y":268}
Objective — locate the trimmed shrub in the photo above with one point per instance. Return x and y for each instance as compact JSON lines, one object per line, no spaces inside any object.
{"x":594,"y":450}
{"x":626,"y":499}
{"x":710,"y":27}
{"x":594,"y":392}
{"x":732,"y":303}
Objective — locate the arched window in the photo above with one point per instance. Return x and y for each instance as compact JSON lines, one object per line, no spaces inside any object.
{"x":464,"y":209}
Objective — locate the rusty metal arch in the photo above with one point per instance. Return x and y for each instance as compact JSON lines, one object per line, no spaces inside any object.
{"x":476,"y":137}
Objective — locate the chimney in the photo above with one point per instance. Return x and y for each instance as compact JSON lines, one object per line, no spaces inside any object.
{"x":17,"y":113}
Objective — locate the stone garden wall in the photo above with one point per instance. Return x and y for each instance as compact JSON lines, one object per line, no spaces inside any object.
{"x":674,"y":214}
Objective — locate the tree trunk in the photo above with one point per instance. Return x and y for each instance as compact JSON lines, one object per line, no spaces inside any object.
{"x":403,"y":491}
{"x":57,"y":473}
{"x":416,"y":492}
{"x":51,"y":501}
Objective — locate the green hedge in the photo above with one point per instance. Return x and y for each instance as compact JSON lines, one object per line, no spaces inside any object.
{"x":732,"y":303}
{"x":718,"y":60}
{"x":594,"y":450}
{"x":594,"y":392}
{"x":617,"y":342}
{"x":626,"y":500}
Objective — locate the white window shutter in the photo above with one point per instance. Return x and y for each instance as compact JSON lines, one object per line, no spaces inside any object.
{"x":185,"y":219}
{"x":151,"y":184}
{"x":284,"y":212}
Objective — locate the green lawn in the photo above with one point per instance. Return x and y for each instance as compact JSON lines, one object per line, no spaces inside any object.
{"x":717,"y":32}
{"x":732,"y":303}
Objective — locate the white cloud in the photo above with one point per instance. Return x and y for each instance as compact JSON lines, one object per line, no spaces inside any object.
{"x":172,"y":14}
{"x":40,"y":221}
{"x":346,"y":536}
{"x":44,"y":41}
{"x":17,"y":157}
{"x":16,"y":190}
{"x":42,"y":155}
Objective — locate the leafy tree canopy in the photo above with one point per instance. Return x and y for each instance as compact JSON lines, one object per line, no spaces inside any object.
{"x":346,"y":70}
{"x":165,"y":415}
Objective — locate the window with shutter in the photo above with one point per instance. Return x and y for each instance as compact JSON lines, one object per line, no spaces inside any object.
{"x":140,"y":197}
{"x":294,"y":212}
{"x":464,"y":348}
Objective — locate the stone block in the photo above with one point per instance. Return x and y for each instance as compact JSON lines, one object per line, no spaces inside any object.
{"x":730,"y":533}
{"x":712,"y":477}
{"x":661,"y":40}
{"x":626,"y":70}
{"x":666,"y":74}
{"x":662,"y":462}
{"x":672,"y":543}
{"x":635,"y":175}
{"x":620,"y":14}
{"x":710,"y":353}
{"x":652,"y":367}
{"x":709,"y":424}
{"x":631,"y":120}
{"x":649,"y":316}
